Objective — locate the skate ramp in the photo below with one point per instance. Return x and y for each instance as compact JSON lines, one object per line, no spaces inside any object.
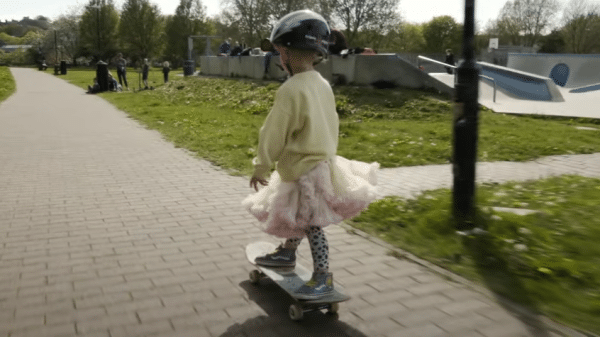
{"x":583,"y":104}
{"x":566,"y":70}
{"x":522,"y":84}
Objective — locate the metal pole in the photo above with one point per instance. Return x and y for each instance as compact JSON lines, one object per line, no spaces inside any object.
{"x":98,"y":28}
{"x":55,"y":48}
{"x":466,"y":113}
{"x":97,"y":7}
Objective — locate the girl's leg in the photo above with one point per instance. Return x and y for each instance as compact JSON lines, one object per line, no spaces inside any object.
{"x":321,"y":283}
{"x":292,"y":243}
{"x":319,"y":249}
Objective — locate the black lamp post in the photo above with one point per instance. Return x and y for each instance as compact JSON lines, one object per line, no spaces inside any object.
{"x":97,"y":6}
{"x":465,"y":126}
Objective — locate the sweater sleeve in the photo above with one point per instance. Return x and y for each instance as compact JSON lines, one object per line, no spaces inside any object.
{"x":274,"y":133}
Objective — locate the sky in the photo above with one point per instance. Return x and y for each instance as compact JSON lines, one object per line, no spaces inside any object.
{"x":415,"y":11}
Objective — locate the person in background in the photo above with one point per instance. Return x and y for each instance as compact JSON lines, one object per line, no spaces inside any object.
{"x":95,"y":88}
{"x":337,"y":42}
{"x":449,"y":60}
{"x":267,"y":47}
{"x":145,"y":69}
{"x":113,"y":85}
{"x":237,"y":50}
{"x":225,"y":48}
{"x":121,"y":70}
{"x":166,"y":71}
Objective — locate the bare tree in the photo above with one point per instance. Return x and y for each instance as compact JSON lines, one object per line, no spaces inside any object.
{"x":582,"y":26}
{"x":357,"y":15}
{"x":507,"y":29}
{"x":279,"y":8}
{"x":67,"y":36}
{"x":531,"y":17}
{"x":253,"y":18}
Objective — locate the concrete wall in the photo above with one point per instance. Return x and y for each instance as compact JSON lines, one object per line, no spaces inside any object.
{"x":356,"y":70}
{"x":522,"y":84}
{"x":583,"y":70}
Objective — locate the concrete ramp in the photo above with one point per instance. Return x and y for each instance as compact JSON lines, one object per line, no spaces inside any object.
{"x":522,"y":84}
{"x":566,"y":70}
{"x":355,"y":69}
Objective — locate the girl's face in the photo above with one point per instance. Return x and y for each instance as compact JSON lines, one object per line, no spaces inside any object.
{"x":285,"y":57}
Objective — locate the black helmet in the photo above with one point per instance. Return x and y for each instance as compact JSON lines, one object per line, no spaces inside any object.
{"x":302,"y":29}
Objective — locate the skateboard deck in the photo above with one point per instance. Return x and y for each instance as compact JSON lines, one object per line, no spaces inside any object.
{"x":290,"y":279}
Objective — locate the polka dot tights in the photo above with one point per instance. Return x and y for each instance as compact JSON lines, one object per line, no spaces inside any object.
{"x":319,"y":248}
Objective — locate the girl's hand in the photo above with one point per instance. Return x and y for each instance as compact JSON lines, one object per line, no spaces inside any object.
{"x":255,"y":180}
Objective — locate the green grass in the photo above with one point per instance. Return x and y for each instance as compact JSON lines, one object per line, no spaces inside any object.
{"x":7,"y":83}
{"x":219,"y":119}
{"x":549,"y":260}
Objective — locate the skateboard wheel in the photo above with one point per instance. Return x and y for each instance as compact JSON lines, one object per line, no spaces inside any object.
{"x":296,"y":312}
{"x":333,"y":308}
{"x":254,"y":276}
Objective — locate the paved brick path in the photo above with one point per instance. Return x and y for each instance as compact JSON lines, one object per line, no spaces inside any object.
{"x":409,"y":181}
{"x":108,"y":230}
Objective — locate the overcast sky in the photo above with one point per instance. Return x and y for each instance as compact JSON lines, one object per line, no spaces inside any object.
{"x":416,"y":11}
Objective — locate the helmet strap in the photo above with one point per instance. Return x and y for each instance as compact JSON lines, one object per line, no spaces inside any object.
{"x":288,"y":66}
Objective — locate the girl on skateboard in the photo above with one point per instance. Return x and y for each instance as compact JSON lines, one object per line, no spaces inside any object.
{"x":311,"y":187}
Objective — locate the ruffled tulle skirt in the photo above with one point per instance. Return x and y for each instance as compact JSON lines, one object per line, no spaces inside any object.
{"x":334,"y":190}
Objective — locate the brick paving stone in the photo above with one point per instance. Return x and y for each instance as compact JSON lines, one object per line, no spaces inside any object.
{"x":64,"y":330}
{"x":415,"y":317}
{"x":427,"y":330}
{"x":107,"y":229}
{"x":419,"y":302}
{"x":459,"y":307}
{"x":158,"y":328}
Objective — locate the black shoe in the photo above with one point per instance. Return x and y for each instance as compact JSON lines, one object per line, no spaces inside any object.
{"x":281,"y":257}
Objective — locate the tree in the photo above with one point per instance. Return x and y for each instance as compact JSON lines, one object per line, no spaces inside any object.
{"x":189,"y":19}
{"x":406,"y":38}
{"x":356,"y":15}
{"x":442,"y":33}
{"x":279,"y":8}
{"x":253,"y":18}
{"x":582,"y":27}
{"x":140,"y":28}
{"x":98,"y":28}
{"x":531,"y":18}
{"x":508,"y":30}
{"x":552,"y":43}
{"x":67,"y":37}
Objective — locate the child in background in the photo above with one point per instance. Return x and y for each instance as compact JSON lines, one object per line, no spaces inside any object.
{"x":312,"y":187}
{"x":145,"y":69}
{"x":166,"y":71}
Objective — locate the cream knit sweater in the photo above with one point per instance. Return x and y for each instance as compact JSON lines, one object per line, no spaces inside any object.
{"x":301,"y":130}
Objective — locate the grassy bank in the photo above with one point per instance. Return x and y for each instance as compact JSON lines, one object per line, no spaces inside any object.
{"x":547,"y":260}
{"x":7,"y":83}
{"x":219,"y":119}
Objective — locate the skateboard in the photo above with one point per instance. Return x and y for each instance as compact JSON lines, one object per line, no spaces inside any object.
{"x":290,"y":279}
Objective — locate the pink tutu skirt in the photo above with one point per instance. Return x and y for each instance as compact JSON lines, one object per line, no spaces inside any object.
{"x":334,"y":190}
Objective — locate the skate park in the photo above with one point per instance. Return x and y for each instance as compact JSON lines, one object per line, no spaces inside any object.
{"x":564,"y":85}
